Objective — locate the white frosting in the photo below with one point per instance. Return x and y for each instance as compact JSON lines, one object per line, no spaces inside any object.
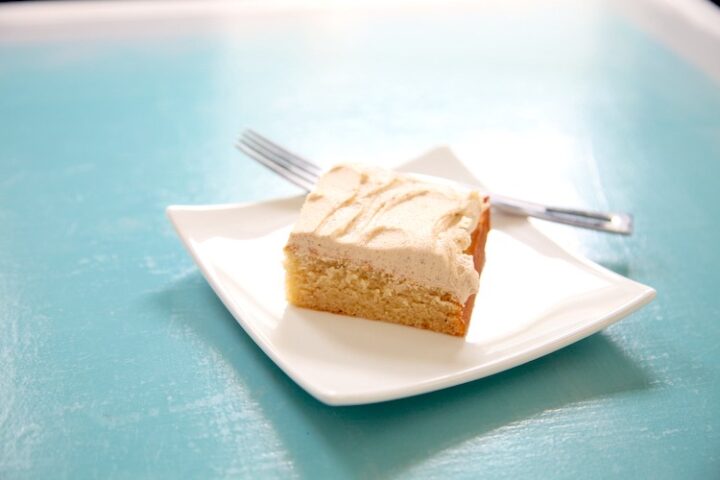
{"x":395,"y":223}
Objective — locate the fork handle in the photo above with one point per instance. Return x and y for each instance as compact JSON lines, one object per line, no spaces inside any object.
{"x":621,"y":223}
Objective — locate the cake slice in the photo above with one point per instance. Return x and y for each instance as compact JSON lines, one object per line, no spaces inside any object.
{"x":381,"y":245}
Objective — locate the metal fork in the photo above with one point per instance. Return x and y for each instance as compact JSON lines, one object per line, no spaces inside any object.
{"x":304,"y":174}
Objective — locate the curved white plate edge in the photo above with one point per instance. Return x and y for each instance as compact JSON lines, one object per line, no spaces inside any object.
{"x":645,"y":295}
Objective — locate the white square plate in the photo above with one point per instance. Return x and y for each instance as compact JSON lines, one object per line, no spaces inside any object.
{"x":534,"y":298}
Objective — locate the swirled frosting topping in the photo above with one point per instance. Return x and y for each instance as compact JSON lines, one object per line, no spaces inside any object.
{"x":395,"y":223}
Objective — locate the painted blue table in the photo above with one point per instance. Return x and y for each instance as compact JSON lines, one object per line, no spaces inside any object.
{"x":116,"y":358}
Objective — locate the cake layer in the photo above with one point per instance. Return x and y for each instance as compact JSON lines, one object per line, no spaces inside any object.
{"x":393,"y":223}
{"x":345,"y":287}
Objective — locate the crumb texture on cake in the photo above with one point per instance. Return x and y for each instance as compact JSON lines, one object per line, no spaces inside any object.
{"x":344,"y":287}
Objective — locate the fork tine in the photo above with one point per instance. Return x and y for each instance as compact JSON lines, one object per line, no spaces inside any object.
{"x":287,"y":155}
{"x":277,"y":158}
{"x":279,"y":169}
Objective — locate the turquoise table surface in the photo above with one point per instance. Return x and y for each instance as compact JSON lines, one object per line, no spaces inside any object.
{"x":118,"y":361}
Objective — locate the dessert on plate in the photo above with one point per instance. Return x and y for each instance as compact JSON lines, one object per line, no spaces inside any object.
{"x":382,"y":245}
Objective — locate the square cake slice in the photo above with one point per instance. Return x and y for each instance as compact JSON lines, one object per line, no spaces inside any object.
{"x":381,"y":245}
